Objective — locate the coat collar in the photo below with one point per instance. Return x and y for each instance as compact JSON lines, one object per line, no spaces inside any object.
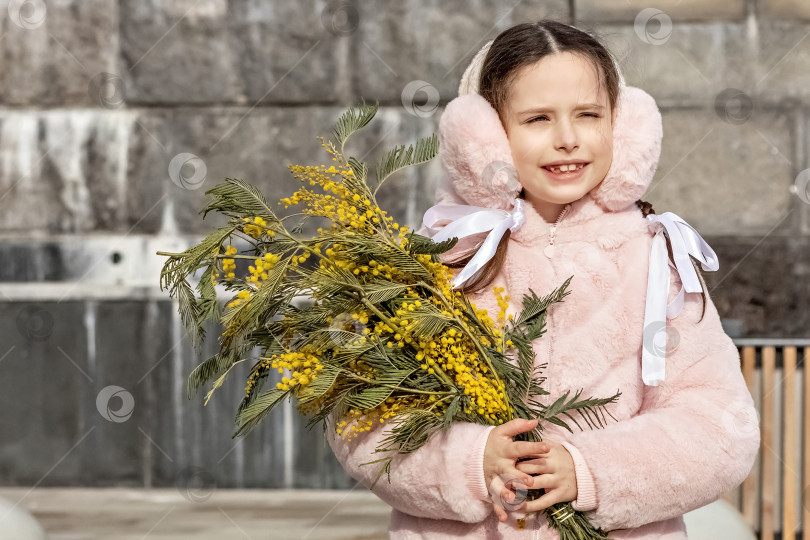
{"x":584,"y":221}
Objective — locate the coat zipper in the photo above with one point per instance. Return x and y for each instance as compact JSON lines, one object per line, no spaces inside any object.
{"x":550,"y":248}
{"x":549,"y":252}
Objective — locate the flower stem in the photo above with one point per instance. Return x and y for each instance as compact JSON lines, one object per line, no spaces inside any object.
{"x":395,"y":387}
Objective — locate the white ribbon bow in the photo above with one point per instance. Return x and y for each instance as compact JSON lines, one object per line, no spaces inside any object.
{"x":468,"y":220}
{"x":685,"y":241}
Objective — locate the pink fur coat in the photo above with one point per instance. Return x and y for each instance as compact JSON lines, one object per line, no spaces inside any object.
{"x":675,"y":447}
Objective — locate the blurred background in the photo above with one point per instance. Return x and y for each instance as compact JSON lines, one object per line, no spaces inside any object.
{"x":116,"y":116}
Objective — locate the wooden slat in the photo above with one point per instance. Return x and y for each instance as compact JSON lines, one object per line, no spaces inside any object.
{"x":750,"y":486}
{"x":791,"y":436}
{"x":806,"y":505}
{"x":749,"y":357}
{"x":769,"y":458}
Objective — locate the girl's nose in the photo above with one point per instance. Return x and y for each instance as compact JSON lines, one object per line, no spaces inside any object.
{"x":566,"y":137}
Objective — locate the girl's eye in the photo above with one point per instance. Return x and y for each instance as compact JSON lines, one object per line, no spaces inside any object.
{"x":593,"y":115}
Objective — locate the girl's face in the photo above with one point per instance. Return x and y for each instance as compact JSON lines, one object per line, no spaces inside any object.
{"x":556,"y":113}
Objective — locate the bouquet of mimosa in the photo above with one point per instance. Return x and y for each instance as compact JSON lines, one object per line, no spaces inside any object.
{"x":381,"y":335}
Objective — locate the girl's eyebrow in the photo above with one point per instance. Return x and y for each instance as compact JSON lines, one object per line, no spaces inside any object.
{"x":578,"y":107}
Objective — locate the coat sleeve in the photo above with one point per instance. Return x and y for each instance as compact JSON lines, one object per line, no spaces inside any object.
{"x":586,"y":489}
{"x":695,"y":436}
{"x":444,"y":479}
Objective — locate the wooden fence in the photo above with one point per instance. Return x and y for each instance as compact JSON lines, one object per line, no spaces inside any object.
{"x":775,"y":498}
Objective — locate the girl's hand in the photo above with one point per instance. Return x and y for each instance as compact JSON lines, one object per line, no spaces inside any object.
{"x":556,"y":475}
{"x":500,"y":455}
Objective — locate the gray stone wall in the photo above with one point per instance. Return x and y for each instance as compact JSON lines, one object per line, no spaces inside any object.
{"x":100,"y":99}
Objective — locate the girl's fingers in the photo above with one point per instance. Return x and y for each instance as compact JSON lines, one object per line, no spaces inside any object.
{"x":544,"y":455}
{"x":545,"y":481}
{"x":497,"y":489}
{"x":515,"y":479}
{"x":520,"y":449}
{"x":515,"y":488}
{"x":529,"y":468}
{"x":549,"y":498}
{"x":517,"y":426}
{"x":511,"y":478}
{"x":535,"y":461}
{"x":508,"y":491}
{"x":534,"y":466}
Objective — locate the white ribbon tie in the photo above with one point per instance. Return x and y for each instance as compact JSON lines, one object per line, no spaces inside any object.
{"x":468,"y":220}
{"x":685,"y":241}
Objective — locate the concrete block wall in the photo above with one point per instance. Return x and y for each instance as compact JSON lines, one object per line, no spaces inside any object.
{"x":99,"y":99}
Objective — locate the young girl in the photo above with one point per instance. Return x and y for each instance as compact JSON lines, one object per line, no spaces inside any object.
{"x":537,"y":100}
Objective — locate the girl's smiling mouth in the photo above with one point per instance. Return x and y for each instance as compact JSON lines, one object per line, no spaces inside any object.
{"x":565,"y":172}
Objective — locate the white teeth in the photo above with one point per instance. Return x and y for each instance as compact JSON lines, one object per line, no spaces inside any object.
{"x":567,"y":168}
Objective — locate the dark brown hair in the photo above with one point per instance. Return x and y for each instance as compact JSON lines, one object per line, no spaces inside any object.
{"x":525,"y":44}
{"x":517,"y":47}
{"x":520,"y":46}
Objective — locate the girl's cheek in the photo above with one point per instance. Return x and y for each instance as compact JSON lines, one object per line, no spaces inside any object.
{"x":606,"y":131}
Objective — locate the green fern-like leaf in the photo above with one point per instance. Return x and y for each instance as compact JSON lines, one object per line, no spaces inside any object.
{"x":322,"y":383}
{"x":235,"y":197}
{"x":587,"y":408}
{"x":428,"y":322}
{"x":298,"y":229}
{"x":525,"y":358}
{"x":452,"y":410}
{"x":382,"y":291}
{"x":250,"y":416}
{"x":423,"y":151}
{"x":207,"y":306}
{"x":360,"y":169}
{"x":178,"y":267}
{"x":352,"y":120}
{"x":384,"y":387}
{"x":220,"y":380}
{"x":412,"y":429}
{"x":189,"y":313}
{"x":534,"y":306}
{"x":261,"y":306}
{"x":213,"y":367}
{"x":419,"y":244}
{"x":370,"y":397}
